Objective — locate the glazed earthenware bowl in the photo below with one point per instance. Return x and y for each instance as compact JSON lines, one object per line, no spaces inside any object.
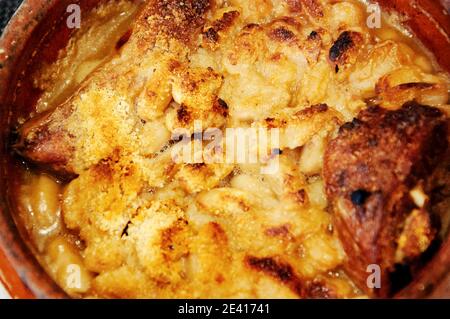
{"x":38,"y":30}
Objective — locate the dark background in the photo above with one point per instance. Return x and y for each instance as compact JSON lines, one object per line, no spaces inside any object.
{"x":7,"y":8}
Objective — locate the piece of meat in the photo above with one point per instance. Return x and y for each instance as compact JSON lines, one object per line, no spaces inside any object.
{"x":44,"y":140}
{"x":370,"y":168}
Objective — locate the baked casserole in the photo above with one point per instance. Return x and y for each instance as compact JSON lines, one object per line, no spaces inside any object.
{"x":360,"y":186}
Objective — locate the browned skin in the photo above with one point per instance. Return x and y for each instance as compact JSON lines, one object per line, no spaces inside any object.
{"x":369,"y":170}
{"x":42,"y":145}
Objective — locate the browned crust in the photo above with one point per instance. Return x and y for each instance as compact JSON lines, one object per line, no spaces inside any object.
{"x":123,"y":39}
{"x":312,"y":110}
{"x":284,"y":273}
{"x":171,"y":19}
{"x":277,"y":269}
{"x":282,"y":34}
{"x":369,"y":170}
{"x":277,"y":231}
{"x":220,"y":107}
{"x":183,"y":114}
{"x":295,"y":6}
{"x":314,"y":8}
{"x":212,"y":33}
{"x":311,"y":7}
{"x":345,"y":47}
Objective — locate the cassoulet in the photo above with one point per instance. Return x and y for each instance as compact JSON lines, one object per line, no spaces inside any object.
{"x":361,"y":115}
